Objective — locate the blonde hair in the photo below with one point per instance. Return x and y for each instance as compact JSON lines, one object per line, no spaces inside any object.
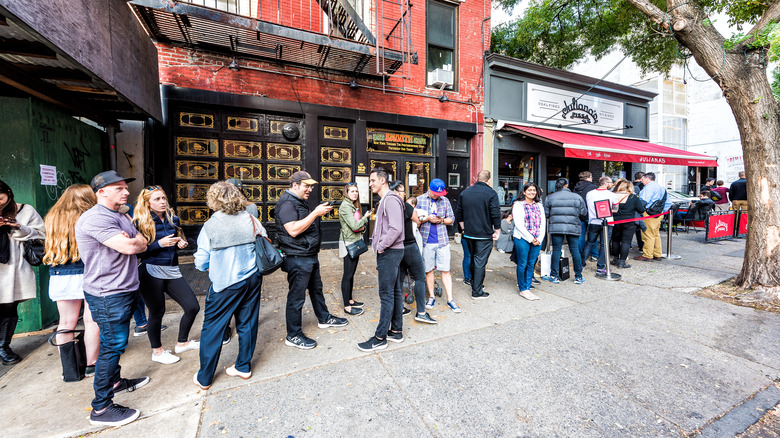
{"x":225,"y":197}
{"x":60,"y":245}
{"x":623,"y":185}
{"x":142,"y":215}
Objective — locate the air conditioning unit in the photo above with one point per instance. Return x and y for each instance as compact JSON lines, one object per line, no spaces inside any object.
{"x":441,"y":78}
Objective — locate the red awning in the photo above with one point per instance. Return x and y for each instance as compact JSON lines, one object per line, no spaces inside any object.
{"x":593,"y":147}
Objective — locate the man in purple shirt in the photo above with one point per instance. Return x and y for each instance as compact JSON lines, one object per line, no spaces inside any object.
{"x":388,"y":243}
{"x":108,"y":244}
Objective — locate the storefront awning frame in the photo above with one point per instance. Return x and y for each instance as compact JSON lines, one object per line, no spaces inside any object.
{"x":596,"y":147}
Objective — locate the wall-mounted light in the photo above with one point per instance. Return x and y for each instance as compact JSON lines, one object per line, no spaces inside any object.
{"x":353,"y":85}
{"x":443,"y":99}
{"x":234,"y":65}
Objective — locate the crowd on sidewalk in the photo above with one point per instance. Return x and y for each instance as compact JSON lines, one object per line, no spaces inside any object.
{"x":116,"y":259}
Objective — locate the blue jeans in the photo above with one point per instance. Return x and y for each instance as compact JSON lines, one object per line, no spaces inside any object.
{"x":242,"y":300}
{"x":112,"y":314}
{"x":466,"y":259}
{"x":526,"y":259}
{"x":594,"y":232}
{"x":139,"y":315}
{"x":391,"y":313}
{"x":557,"y":244}
{"x":583,"y":240}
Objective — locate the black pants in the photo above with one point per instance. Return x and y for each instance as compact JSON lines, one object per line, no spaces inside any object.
{"x":621,"y":239}
{"x":413,"y":263}
{"x":303,"y":273}
{"x":479,"y":250}
{"x":153,"y":292}
{"x":348,"y":278}
{"x":638,"y":233}
{"x":388,"y":265}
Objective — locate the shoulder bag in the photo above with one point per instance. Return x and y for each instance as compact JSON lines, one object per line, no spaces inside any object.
{"x":32,"y":250}
{"x":356,"y":248}
{"x":73,"y":355}
{"x":268,"y":259}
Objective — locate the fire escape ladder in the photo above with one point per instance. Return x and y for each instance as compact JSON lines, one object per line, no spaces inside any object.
{"x":346,"y":22}
{"x":394,"y":28}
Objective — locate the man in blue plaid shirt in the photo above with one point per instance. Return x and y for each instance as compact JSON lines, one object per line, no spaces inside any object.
{"x":435,"y":213}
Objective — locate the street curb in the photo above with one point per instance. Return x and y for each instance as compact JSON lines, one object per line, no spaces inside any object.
{"x":740,"y":418}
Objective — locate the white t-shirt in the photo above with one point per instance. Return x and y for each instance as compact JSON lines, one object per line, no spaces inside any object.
{"x":599,"y":195}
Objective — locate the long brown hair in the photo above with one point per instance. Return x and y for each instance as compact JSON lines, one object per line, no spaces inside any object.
{"x":356,"y":202}
{"x":60,"y":245}
{"x":142,"y":215}
{"x":9,"y":211}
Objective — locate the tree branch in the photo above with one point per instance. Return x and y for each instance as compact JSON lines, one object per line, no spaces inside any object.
{"x":652,"y":11}
{"x":771,"y":14}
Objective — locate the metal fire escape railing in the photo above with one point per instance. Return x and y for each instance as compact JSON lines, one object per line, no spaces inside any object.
{"x":394,"y":26}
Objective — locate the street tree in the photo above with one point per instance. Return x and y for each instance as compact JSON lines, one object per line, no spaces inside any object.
{"x":658,"y":34}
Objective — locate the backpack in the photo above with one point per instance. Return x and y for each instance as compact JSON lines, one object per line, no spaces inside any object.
{"x":656,"y":207}
{"x":715,"y":196}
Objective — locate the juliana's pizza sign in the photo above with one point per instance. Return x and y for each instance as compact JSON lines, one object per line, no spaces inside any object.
{"x":554,"y":106}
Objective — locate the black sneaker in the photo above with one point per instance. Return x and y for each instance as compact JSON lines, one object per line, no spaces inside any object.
{"x":395,"y":336}
{"x":114,"y":415}
{"x":373,"y":344}
{"x":300,"y":341}
{"x":130,"y":385}
{"x":407,"y":310}
{"x":535,"y":281}
{"x":481,"y":296}
{"x":426,"y":318}
{"x":140,"y":331}
{"x":467,"y":281}
{"x":89,"y":371}
{"x":227,"y":335}
{"x":333,"y":321}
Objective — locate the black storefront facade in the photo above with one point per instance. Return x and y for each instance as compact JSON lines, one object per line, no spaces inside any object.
{"x":210,"y":136}
{"x":542,"y":124}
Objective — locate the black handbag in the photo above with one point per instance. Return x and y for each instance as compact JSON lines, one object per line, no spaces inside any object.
{"x":268,"y":259}
{"x":356,"y":248}
{"x":73,"y":355}
{"x":33,"y":251}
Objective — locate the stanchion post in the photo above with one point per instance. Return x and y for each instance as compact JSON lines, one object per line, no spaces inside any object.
{"x":608,"y":274}
{"x":669,"y":255}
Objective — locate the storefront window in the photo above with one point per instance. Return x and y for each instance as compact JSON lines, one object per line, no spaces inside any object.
{"x":616,"y":170}
{"x":514,"y":170}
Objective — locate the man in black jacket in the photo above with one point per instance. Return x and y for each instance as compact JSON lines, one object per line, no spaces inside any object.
{"x":564,"y":209}
{"x":738,"y":193}
{"x":583,"y":186}
{"x":299,"y":237}
{"x":479,"y":215}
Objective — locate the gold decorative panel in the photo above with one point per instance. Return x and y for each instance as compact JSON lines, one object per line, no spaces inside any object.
{"x":244,"y":171}
{"x":417,"y":178}
{"x":275,"y":192}
{"x":269,"y":216}
{"x":245,"y":124}
{"x":275,"y":126}
{"x":336,"y":174}
{"x":283,"y":152}
{"x":331,"y":193}
{"x":194,"y":120}
{"x":390,"y":166}
{"x":332,"y":215}
{"x":242,"y":149}
{"x":281,"y":172}
{"x":197,"y":147}
{"x":193,"y":215}
{"x":335,"y":155}
{"x":186,"y":169}
{"x":191,"y":192}
{"x":253,"y":192}
{"x":335,"y":133}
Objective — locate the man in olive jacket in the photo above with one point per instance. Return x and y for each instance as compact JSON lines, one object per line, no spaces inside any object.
{"x":565,"y":211}
{"x":479,"y":215}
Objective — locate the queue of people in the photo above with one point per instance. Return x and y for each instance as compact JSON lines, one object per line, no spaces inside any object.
{"x":104,"y":258}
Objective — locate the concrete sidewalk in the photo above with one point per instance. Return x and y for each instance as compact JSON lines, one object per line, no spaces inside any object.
{"x":638,"y":357}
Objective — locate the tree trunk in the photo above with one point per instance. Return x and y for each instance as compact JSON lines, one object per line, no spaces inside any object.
{"x":744,"y":82}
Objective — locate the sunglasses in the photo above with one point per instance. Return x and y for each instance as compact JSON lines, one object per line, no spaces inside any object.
{"x":153,"y":188}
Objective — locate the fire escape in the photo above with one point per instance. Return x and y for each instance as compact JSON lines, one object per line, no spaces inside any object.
{"x":323,"y":35}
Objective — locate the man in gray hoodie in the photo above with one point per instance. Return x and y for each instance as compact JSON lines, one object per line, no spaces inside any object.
{"x":388,"y":243}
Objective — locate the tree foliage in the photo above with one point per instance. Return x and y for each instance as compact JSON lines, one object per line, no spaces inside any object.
{"x":558,"y":33}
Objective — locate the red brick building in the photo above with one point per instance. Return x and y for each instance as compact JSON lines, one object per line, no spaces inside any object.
{"x":258,"y":90}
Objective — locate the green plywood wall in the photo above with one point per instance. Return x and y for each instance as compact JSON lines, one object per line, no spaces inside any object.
{"x":34,"y":133}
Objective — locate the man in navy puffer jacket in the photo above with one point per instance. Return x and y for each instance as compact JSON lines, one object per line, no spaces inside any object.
{"x":565,"y":211}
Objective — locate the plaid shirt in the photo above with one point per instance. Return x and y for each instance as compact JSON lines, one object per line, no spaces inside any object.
{"x":443,"y":209}
{"x":533,"y":222}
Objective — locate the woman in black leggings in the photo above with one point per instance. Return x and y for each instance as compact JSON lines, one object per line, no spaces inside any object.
{"x":352,"y":227}
{"x":412,"y":261}
{"x":159,"y":271}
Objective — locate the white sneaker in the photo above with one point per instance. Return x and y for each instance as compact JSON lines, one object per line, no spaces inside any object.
{"x":165,"y":358}
{"x":233,"y":372}
{"x":192,"y":345}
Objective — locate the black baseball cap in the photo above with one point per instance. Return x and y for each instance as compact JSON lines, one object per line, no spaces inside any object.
{"x":103,"y":179}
